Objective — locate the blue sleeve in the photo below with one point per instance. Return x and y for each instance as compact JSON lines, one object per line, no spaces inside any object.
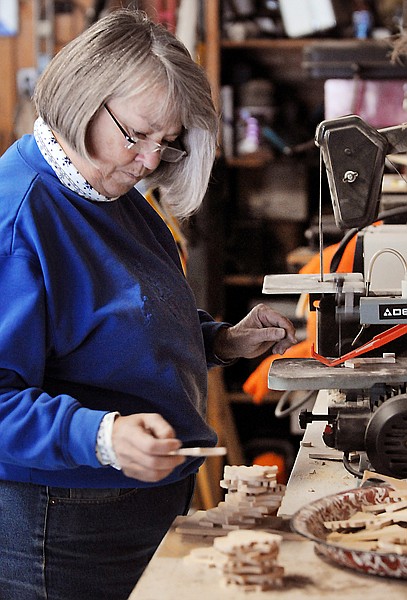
{"x":37,"y":430}
{"x":210,"y":328}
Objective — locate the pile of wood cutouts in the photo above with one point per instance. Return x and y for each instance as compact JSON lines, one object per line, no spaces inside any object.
{"x":253,"y":496}
{"x":375,"y":527}
{"x":250,"y":560}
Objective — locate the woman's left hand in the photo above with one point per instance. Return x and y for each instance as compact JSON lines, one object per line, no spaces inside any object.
{"x":263,"y":329}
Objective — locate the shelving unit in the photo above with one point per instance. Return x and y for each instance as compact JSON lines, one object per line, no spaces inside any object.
{"x":240,"y":246}
{"x":255,"y":199}
{"x":245,"y":230}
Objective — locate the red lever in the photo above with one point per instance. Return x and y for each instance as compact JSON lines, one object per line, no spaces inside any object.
{"x":379,"y":340}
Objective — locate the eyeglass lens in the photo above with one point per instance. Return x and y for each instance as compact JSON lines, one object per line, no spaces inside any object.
{"x":167,"y":153}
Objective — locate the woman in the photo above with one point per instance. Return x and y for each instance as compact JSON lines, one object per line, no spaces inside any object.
{"x":103,"y":354}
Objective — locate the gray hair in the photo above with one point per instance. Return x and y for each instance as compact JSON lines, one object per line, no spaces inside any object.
{"x":125,"y":54}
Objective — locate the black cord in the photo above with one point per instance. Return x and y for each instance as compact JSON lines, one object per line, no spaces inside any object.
{"x":348,"y":466}
{"x":337,"y":257}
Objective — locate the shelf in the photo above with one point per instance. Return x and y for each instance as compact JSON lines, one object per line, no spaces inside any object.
{"x":269,"y":43}
{"x":241,"y":398}
{"x":297,"y":43}
{"x":254,"y":160}
{"x":244,"y":280}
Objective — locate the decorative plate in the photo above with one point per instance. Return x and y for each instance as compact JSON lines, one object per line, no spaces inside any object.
{"x":309,"y":522}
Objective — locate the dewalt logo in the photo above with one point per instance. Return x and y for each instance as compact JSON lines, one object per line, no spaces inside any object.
{"x":393,"y":311}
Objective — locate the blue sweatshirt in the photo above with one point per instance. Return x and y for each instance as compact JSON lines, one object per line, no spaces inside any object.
{"x":95,"y":316}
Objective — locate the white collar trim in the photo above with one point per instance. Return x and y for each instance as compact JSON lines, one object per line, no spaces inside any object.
{"x":66,"y":172}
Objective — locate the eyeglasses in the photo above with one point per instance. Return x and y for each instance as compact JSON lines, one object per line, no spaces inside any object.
{"x":167,"y":153}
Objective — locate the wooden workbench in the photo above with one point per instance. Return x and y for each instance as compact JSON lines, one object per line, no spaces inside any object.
{"x":312,"y":478}
{"x":172,"y":576}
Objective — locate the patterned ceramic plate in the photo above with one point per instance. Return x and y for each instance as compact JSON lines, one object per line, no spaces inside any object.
{"x":309,"y":522}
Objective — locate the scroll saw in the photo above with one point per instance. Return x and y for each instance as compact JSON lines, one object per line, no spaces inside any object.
{"x":361,"y":345}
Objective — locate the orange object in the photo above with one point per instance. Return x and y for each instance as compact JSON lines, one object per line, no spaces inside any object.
{"x":256,"y":384}
{"x":376,"y":342}
{"x":267,"y":459}
{"x":153,"y":198}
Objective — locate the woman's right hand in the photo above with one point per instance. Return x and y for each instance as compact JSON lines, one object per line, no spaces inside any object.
{"x":142,"y":443}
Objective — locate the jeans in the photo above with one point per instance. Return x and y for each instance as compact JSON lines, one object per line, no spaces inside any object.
{"x":81,"y":544}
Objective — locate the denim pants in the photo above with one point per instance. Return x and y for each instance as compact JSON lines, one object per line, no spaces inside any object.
{"x":81,"y":544}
